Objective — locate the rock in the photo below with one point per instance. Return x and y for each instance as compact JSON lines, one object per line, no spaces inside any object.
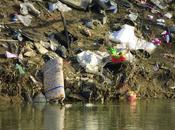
{"x":30,"y":53}
{"x":51,"y":55}
{"x":86,"y":32}
{"x":37,"y":60}
{"x":40,"y":48}
{"x":39,"y":98}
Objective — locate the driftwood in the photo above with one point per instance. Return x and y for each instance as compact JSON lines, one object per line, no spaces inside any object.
{"x":65,"y":29}
{"x":8,"y":40}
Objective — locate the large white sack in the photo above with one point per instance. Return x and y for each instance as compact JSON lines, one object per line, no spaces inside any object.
{"x":125,"y":36}
{"x":54,"y":79}
{"x":127,"y":39}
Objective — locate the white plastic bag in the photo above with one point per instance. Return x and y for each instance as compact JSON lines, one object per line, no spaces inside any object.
{"x":91,"y":61}
{"x":25,"y":20}
{"x":26,"y":7}
{"x":81,"y":4}
{"x":60,"y":6}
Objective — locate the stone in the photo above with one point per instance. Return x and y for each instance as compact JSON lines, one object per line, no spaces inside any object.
{"x":39,"y":98}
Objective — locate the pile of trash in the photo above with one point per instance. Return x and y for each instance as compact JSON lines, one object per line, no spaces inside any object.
{"x":87,"y":50}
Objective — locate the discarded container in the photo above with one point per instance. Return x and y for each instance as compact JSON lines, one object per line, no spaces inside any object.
{"x":131,"y":96}
{"x":117,"y":56}
{"x":54,"y":80}
{"x":118,"y":60}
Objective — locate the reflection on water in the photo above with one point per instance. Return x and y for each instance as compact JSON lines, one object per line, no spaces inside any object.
{"x":141,"y":115}
{"x":54,"y":117}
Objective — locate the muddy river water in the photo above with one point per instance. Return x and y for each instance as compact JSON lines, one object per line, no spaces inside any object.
{"x":140,"y":115}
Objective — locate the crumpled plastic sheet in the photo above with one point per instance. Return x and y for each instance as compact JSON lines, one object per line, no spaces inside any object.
{"x":25,"y":20}
{"x":91,"y":61}
{"x":60,"y":6}
{"x":26,"y":7}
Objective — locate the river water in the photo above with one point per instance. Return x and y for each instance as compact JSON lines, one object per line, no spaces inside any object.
{"x":140,"y":115}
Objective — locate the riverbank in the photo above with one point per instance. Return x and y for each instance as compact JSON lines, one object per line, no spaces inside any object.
{"x":150,"y":75}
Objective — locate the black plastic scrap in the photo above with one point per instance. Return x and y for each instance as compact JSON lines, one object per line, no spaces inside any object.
{"x":107,"y":5}
{"x":18,"y":34}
